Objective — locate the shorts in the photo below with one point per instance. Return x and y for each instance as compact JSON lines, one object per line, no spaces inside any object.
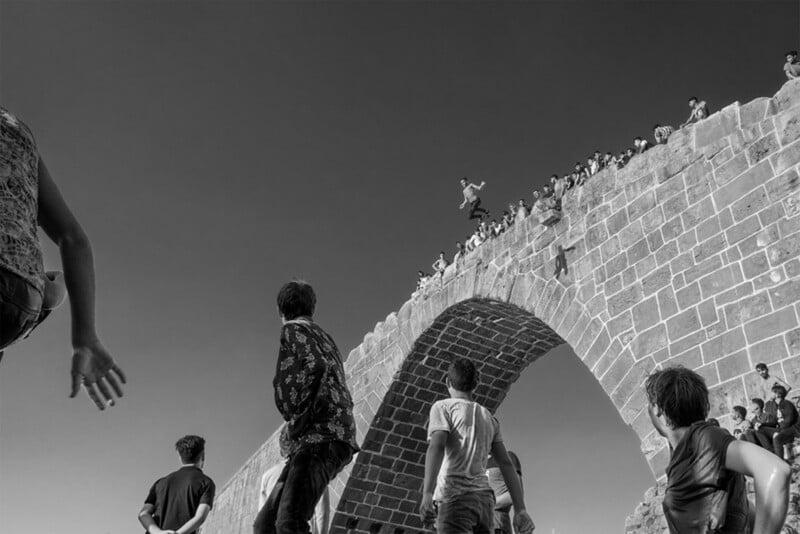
{"x":20,"y":309}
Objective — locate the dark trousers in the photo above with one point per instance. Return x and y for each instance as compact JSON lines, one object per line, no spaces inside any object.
{"x":20,"y":309}
{"x":783,"y":437}
{"x":305,"y":478}
{"x":475,"y":208}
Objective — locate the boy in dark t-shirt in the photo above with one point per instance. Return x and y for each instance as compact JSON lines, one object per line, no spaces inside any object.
{"x":180,"y":502}
{"x":706,"y":490}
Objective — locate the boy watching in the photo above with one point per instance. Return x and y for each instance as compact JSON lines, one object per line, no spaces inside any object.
{"x":706,"y":490}
{"x":461,"y":435}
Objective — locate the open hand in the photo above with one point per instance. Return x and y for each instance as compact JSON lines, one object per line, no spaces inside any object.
{"x":523,"y":524}
{"x":94,"y":368}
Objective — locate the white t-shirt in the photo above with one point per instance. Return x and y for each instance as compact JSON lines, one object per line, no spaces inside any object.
{"x":472,"y":429}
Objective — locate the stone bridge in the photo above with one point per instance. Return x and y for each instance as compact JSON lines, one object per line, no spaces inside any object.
{"x":689,"y":255}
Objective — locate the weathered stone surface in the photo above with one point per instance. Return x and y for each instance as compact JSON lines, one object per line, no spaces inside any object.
{"x":690,"y":255}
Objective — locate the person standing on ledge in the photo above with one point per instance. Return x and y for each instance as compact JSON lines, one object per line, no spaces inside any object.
{"x":312,"y":396}
{"x":471,"y":197}
{"x":699,"y":111}
{"x":706,"y":490}
{"x":30,"y":198}
{"x":791,"y":67}
{"x":180,"y":502}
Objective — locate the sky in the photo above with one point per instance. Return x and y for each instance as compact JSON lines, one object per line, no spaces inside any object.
{"x":214,"y":150}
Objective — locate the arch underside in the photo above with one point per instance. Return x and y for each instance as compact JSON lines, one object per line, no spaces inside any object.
{"x":384,"y":484}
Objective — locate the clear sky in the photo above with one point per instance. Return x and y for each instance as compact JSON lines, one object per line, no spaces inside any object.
{"x":214,"y":150}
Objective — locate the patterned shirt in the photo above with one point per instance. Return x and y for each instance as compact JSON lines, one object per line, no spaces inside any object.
{"x":662,"y":133}
{"x":310,"y":388}
{"x":20,"y":251}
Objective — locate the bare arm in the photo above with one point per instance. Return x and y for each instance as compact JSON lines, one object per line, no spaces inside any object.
{"x":522,"y":521}
{"x":433,"y":462}
{"x":194,"y":523}
{"x":146,"y":519}
{"x":771,"y":477}
{"x":92,"y":365}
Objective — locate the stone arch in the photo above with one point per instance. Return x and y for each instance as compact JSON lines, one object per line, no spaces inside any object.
{"x":689,"y":255}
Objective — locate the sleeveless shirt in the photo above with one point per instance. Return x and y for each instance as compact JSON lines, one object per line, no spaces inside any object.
{"x":20,"y":251}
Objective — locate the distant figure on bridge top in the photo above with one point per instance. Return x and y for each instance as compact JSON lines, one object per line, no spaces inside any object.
{"x":440,"y":264}
{"x":640,"y":145}
{"x":460,"y":252}
{"x":791,"y":67}
{"x":471,"y":197}
{"x":461,"y":435}
{"x":312,"y":396}
{"x":662,"y":133}
{"x":768,"y":380}
{"x":706,"y":490}
{"x":699,"y":111}
{"x":29,"y":198}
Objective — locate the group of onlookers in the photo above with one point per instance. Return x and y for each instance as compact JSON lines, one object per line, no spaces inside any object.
{"x":774,"y":422}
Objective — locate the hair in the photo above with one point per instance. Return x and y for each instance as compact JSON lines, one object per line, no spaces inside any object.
{"x":420,"y":273}
{"x":656,"y":126}
{"x":760,"y":366}
{"x":791,"y":53}
{"x":637,"y":137}
{"x":680,"y":393}
{"x":740,"y":410}
{"x":779,"y":390}
{"x":462,"y":375}
{"x":190,"y":448}
{"x":296,"y":299}
{"x":712,"y":421}
{"x":693,"y":98}
{"x":758,"y":402}
{"x":441,"y":252}
{"x":463,"y":179}
{"x":554,"y":176}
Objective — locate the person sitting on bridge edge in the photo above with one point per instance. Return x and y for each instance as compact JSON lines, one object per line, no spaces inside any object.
{"x":179,"y":503}
{"x":440,"y":264}
{"x":760,"y":417}
{"x":791,"y":67}
{"x":502,"y":497}
{"x":29,"y":198}
{"x":662,"y":133}
{"x":461,"y":435}
{"x":312,"y":396}
{"x":787,"y":430}
{"x":461,"y":251}
{"x":706,"y":490}
{"x":640,"y":145}
{"x":699,"y":111}
{"x":471,"y":197}
{"x":766,"y":377}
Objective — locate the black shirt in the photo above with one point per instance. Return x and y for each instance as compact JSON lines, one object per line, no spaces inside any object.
{"x":701,"y":491}
{"x":177,"y":496}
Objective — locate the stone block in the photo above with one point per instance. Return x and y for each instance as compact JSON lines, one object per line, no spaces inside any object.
{"x":655,"y":281}
{"x":632,"y":382}
{"x":717,"y":126}
{"x":668,"y":190}
{"x":708,"y":248}
{"x":645,"y":314}
{"x":785,"y":294}
{"x":683,"y":324}
{"x":649,"y":341}
{"x":747,"y":309}
{"x":755,"y":265}
{"x":763,"y":148}
{"x":769,"y":350}
{"x":731,"y":169}
{"x":667,"y":254}
{"x":775,"y":323}
{"x":708,"y":228}
{"x":672,"y":228}
{"x":783,"y":186}
{"x":638,"y":251}
{"x":787,"y":96}
{"x":698,"y":271}
{"x":719,"y":152}
{"x":688,"y":296}
{"x":694,"y":215}
{"x":754,"y":111}
{"x":751,"y":204}
{"x":624,"y":300}
{"x":786,"y":158}
{"x":722,"y":345}
{"x":785,"y":249}
{"x":792,"y":339}
{"x":642,"y":205}
{"x":743,"y":184}
{"x":720,"y":281}
{"x":676,"y":204}
{"x":611,"y":379}
{"x":771,"y":214}
{"x":666,"y":302}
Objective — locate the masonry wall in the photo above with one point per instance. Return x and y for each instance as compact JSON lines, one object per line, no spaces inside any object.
{"x":689,"y":255}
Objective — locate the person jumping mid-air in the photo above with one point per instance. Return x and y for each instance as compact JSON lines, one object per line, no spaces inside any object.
{"x":474,"y":201}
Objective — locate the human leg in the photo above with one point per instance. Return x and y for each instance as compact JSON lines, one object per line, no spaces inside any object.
{"x":309,"y":471}
{"x":475,"y":208}
{"x":781,"y":438}
{"x":470,"y":513}
{"x":20,"y":308}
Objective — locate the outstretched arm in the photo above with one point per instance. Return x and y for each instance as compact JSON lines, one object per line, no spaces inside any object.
{"x":771,"y":477}
{"x":92,"y":365}
{"x":522,"y":521}
{"x":433,"y":462}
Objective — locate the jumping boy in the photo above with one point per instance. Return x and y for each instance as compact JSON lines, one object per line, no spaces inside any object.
{"x":30,"y":198}
{"x":461,"y":435}
{"x":471,"y":197}
{"x":706,"y":490}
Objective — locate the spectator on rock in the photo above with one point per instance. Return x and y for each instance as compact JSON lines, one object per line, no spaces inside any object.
{"x":791,"y":67}
{"x":640,"y":145}
{"x":471,"y":197}
{"x":661,"y":133}
{"x":706,"y":490}
{"x":496,"y":227}
{"x":592,"y":166}
{"x":461,"y":435}
{"x":440,"y":264}
{"x":740,"y":422}
{"x":787,"y":424}
{"x":758,"y":419}
{"x":460,"y":252}
{"x":522,"y":209}
{"x":582,"y":171}
{"x":621,"y":160}
{"x":598,"y":157}
{"x":538,"y":204}
{"x":768,"y":380}
{"x":608,"y":160}
{"x":629,"y":153}
{"x":559,"y":188}
{"x":485,"y":231}
{"x":507,"y":220}
{"x":699,"y":111}
{"x":577,"y":178}
{"x":475,"y":240}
